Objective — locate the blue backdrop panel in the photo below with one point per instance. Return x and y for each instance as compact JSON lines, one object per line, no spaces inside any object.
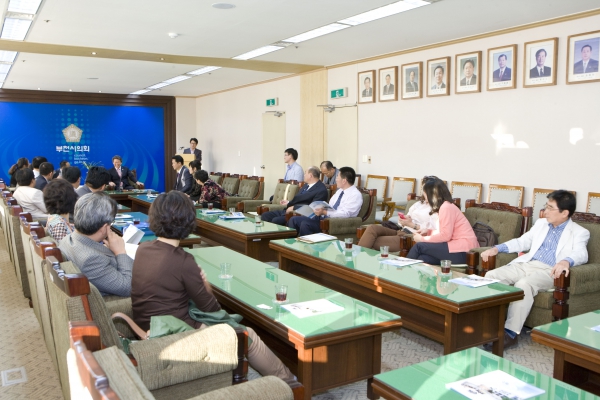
{"x":135,"y":133}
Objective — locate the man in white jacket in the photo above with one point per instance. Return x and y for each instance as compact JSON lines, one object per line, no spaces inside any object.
{"x":554,"y":244}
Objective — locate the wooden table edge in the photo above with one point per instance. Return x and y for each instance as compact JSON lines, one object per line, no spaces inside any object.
{"x":566,"y":346}
{"x":389,"y":393}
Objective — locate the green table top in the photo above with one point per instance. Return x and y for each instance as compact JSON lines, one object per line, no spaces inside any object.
{"x":121,"y":208}
{"x":253,"y":283}
{"x":245,"y":226}
{"x":127,"y":192}
{"x":143,"y":197}
{"x":576,"y":329}
{"x":427,"y":380}
{"x":143,"y":225}
{"x":420,"y":277}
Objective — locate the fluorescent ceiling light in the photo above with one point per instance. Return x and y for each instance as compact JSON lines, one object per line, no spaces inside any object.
{"x":141,"y":91}
{"x":3,"y":77}
{"x":258,"y":52}
{"x":203,"y":70}
{"x":158,"y":85}
{"x":4,"y":68}
{"x":15,"y":29}
{"x":324,"y":30}
{"x":177,"y":79}
{"x":7,"y":56}
{"x":24,"y":6}
{"x":382,"y":12}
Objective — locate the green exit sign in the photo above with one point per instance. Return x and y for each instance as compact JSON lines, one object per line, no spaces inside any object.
{"x":272,"y":102}
{"x":339,"y":93}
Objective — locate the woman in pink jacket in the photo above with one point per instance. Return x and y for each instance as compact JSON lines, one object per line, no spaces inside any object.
{"x":455,"y":235}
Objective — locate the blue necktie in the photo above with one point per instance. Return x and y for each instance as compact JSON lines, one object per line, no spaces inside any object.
{"x":339,"y":200}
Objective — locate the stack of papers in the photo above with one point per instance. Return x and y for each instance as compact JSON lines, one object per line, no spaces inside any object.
{"x":495,"y":385}
{"x":123,"y":216}
{"x":473,"y":281}
{"x":401,"y":261}
{"x":206,"y":211}
{"x":312,"y":308}
{"x":316,"y":238}
{"x":235,"y":215}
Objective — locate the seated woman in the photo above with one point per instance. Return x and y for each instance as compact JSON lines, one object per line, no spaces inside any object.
{"x":21,"y":163}
{"x":455,"y":235}
{"x":196,"y":188}
{"x":418,"y":218}
{"x":211,"y":192}
{"x":165,"y":277}
{"x":59,"y":199}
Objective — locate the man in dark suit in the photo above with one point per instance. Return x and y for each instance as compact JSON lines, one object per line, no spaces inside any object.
{"x":313,"y":190}
{"x":411,"y":85}
{"x":389,"y":87}
{"x":120,"y":175}
{"x":468,"y":71}
{"x":587,"y":64}
{"x":183,"y":182}
{"x":58,"y":172}
{"x":46,"y":172}
{"x":503,"y":73}
{"x":194,"y":150}
{"x":540,"y":70}
{"x":368,"y":91}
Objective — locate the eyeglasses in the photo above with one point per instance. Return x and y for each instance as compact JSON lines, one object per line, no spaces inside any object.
{"x":549,"y":208}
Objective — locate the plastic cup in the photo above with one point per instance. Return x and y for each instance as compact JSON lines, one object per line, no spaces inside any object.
{"x":149,"y":192}
{"x":385,"y":251}
{"x":210,"y":206}
{"x":258,"y":220}
{"x":231,"y":210}
{"x":225,"y":271}
{"x":348,"y":242}
{"x":136,"y":221}
{"x":445,"y":265}
{"x":281,"y":292}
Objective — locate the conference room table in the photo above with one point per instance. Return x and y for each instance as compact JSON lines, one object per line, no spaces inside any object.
{"x":427,"y":380}
{"x":142,"y":202}
{"x":122,"y":209}
{"x":242,"y":235}
{"x":122,"y":196}
{"x":324,"y":348}
{"x":455,"y":315}
{"x":121,"y":223}
{"x":576,"y":349}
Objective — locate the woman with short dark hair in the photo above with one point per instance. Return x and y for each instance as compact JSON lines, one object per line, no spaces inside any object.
{"x":165,"y":278}
{"x":195,"y":165}
{"x":59,"y":199}
{"x":211,"y":191}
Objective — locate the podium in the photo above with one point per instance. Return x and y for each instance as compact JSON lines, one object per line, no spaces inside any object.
{"x":187,"y":158}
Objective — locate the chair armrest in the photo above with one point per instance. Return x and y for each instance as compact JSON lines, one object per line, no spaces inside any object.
{"x":186,"y":356}
{"x":233,"y":201}
{"x":250,"y":205}
{"x":584,"y":279}
{"x":360,"y":231}
{"x":340,"y":226}
{"x":140,"y":185}
{"x":475,"y":265}
{"x":273,"y":207}
{"x":256,"y":390}
{"x":389,"y":211}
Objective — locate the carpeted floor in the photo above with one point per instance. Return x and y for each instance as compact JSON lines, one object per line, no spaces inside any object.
{"x":23,"y":354}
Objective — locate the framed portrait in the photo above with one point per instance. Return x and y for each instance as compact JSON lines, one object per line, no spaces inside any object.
{"x":388,"y":84}
{"x":366,"y":85}
{"x":539,"y":62}
{"x":412,"y":81}
{"x":468,"y":73}
{"x":438,"y":71}
{"x":501,"y":68}
{"x":583,"y":54}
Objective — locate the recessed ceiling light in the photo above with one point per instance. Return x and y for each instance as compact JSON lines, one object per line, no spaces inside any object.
{"x":324,"y":30}
{"x":7,"y":56}
{"x":202,"y":70}
{"x":24,"y":6}
{"x":99,"y":91}
{"x":172,"y":35}
{"x":382,"y":12}
{"x":177,"y":79}
{"x":223,"y":6}
{"x":257,"y":53}
{"x":140,"y":91}
{"x":158,"y":86}
{"x":15,"y":29}
{"x":39,"y":89}
{"x":93,"y":53}
{"x":70,"y":90}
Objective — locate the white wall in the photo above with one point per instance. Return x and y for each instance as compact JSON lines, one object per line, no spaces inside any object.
{"x":230,"y":123}
{"x":185,"y":121}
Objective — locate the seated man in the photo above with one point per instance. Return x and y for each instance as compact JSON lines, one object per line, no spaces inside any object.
{"x":28,"y":197}
{"x":58,"y":173}
{"x":45,"y":176}
{"x":329,"y":172}
{"x":554,"y":244}
{"x":183,"y":182}
{"x":211,"y":191}
{"x":313,"y":190}
{"x":95,"y":249}
{"x":120,"y":175}
{"x":96,"y":180}
{"x":35,"y":164}
{"x":346,"y":203}
{"x":73,"y":176}
{"x":293,"y":170}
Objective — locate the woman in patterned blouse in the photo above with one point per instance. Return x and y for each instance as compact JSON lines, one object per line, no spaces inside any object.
{"x":211,"y":192}
{"x":60,"y":199}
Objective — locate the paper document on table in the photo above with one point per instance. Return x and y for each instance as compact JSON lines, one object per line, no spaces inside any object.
{"x":206,"y":211}
{"x":495,"y":385}
{"x":235,"y":215}
{"x":401,"y":261}
{"x":316,"y":238}
{"x":312,"y":308}
{"x":132,"y":235}
{"x":596,"y":328}
{"x":131,"y":249}
{"x":473,"y":281}
{"x":123,"y":216}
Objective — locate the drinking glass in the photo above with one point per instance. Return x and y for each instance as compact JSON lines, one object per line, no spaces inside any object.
{"x":446,"y":264}
{"x":281,"y":293}
{"x":385,"y":251}
{"x":258,"y":220}
{"x":210,"y":206}
{"x":225,"y":271}
{"x":348,"y":242}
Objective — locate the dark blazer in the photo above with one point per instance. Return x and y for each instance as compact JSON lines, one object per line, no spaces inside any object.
{"x":505,"y":77}
{"x":184,"y":182}
{"x":463,"y":81}
{"x":40,"y":182}
{"x":197,"y":152}
{"x":591,"y":67}
{"x":317,"y":192}
{"x":389,"y":90}
{"x":367,"y":93}
{"x":533,"y":72}
{"x":409,"y":87}
{"x":126,"y":175}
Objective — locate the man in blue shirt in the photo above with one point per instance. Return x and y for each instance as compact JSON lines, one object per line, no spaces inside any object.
{"x":293,"y":170}
{"x":554,"y":244}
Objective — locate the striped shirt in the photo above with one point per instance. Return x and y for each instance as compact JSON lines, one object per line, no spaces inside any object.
{"x":547,"y":251}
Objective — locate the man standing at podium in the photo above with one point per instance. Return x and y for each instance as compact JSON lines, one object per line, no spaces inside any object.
{"x":194,"y":150}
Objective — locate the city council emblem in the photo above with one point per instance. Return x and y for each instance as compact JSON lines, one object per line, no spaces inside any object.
{"x":72,"y":133}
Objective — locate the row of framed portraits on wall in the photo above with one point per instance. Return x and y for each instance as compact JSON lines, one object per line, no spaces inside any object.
{"x":539,"y":69}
